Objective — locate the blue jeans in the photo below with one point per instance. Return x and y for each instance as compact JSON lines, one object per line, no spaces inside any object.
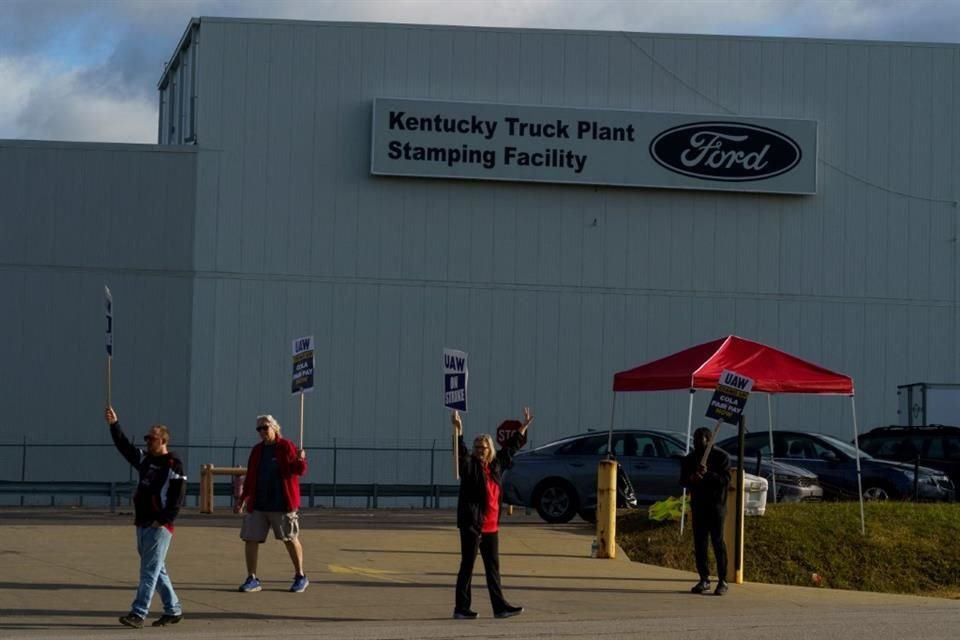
{"x":152,"y":545}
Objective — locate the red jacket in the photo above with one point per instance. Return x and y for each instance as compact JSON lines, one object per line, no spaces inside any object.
{"x":291,"y":468}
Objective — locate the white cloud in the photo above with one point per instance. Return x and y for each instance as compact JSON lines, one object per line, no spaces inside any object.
{"x":43,"y":101}
{"x":111,"y":96}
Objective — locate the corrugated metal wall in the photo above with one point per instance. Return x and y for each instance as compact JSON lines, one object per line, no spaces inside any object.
{"x":550,"y":288}
{"x":74,"y":218}
{"x":553,"y":288}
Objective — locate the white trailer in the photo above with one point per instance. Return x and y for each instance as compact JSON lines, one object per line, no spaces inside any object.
{"x":923,"y":403}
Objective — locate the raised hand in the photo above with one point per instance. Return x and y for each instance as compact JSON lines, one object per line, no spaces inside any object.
{"x":457,"y":422}
{"x":527,"y":419}
{"x":110,"y":415}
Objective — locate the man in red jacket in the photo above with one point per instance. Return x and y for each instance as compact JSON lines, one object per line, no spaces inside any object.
{"x":271,"y":496}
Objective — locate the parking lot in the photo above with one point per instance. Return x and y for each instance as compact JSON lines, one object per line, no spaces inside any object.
{"x":390,"y":574}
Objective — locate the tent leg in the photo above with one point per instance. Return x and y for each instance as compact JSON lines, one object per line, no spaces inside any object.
{"x":773,"y":471}
{"x":683,"y":499}
{"x":856,"y":444}
{"x":613,"y":411}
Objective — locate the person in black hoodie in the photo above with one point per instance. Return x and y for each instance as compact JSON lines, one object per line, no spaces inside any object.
{"x":707,"y":483}
{"x":478,"y":513}
{"x":156,"y":501}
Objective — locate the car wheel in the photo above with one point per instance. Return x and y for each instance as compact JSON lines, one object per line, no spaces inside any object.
{"x":588,"y":515}
{"x":556,"y":501}
{"x":876,"y":492}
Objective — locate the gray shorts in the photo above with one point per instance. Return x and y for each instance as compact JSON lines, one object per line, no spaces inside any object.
{"x":256,"y":525}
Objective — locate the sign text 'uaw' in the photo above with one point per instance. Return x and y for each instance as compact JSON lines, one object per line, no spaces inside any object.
{"x":302,"y":365}
{"x":730,"y":397}
{"x":455,"y":376}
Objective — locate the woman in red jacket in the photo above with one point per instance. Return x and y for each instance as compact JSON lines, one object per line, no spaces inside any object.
{"x":478,"y":514}
{"x":271,"y":496}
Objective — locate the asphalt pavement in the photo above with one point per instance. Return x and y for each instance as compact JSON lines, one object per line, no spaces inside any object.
{"x":390,"y":574}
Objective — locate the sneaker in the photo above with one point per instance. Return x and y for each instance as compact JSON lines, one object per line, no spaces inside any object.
{"x":250,"y":585}
{"x":701,"y":587}
{"x":132,"y":620}
{"x":721,"y":588}
{"x":508,"y":612}
{"x":465,"y":615}
{"x":300,"y":584}
{"x":166,"y":619}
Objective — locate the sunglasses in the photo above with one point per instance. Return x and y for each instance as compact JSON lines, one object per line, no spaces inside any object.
{"x":150,"y":438}
{"x":262,"y":427}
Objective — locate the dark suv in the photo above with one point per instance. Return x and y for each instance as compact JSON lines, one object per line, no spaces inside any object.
{"x":938,"y":446}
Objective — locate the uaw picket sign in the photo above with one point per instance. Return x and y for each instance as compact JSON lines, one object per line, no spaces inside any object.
{"x":730,"y":397}
{"x":108,"y":310}
{"x":488,"y":141}
{"x":455,"y":375}
{"x":302,"y":365}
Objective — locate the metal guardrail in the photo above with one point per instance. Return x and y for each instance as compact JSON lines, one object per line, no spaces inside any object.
{"x":119,"y":492}
{"x":425,"y":466}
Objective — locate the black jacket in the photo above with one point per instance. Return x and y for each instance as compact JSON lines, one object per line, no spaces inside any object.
{"x":711,"y":490}
{"x":162,"y":483}
{"x":472,"y":500}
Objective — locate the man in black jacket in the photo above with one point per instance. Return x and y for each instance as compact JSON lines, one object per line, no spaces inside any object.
{"x":156,"y":501}
{"x":707,"y":481}
{"x":478,"y":513}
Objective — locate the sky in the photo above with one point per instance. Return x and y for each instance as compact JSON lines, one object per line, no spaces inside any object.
{"x":87,"y":70}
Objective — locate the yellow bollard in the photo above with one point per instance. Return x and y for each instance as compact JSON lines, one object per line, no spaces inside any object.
{"x":730,"y":523}
{"x":607,"y":509}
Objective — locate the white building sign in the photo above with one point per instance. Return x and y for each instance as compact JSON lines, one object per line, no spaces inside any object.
{"x":485,"y":141}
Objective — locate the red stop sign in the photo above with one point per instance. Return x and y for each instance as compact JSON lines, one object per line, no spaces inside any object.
{"x":507,"y":429}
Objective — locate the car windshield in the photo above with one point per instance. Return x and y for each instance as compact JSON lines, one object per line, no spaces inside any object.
{"x":848,"y":449}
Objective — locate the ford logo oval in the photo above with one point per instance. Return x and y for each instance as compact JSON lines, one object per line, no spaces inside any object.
{"x":725,"y":151}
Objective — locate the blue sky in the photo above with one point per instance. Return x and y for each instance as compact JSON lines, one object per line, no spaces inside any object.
{"x":88,"y":69}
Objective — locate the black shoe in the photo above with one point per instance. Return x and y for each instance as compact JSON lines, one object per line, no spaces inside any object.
{"x":701,"y":587}
{"x":132,"y":620}
{"x":166,"y":619}
{"x":508,"y":612}
{"x":465,"y":615}
{"x":721,"y":588}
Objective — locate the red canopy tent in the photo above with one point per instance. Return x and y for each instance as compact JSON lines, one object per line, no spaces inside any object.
{"x":773,"y":371}
{"x":699,"y":367}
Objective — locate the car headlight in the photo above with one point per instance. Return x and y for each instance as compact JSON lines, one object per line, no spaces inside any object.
{"x":784,"y":478}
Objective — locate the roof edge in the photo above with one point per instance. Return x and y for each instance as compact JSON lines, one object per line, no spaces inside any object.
{"x":181,"y":44}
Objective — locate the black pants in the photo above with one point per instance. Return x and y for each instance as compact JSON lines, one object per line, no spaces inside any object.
{"x":709,"y":522}
{"x":489,"y":546}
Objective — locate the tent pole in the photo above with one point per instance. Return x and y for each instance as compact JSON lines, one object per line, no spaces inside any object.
{"x":856,"y":444}
{"x":773,"y":467}
{"x":613,"y":411}
{"x":686,"y":450}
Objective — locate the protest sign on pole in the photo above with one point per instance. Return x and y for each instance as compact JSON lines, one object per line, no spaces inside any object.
{"x":730,"y":397}
{"x":108,"y":309}
{"x":455,"y":377}
{"x":455,"y":374}
{"x":302,"y":372}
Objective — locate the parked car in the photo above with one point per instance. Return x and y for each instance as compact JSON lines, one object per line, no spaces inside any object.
{"x":937,"y":446}
{"x":834,"y":462}
{"x":559,"y":479}
{"x":794,"y":484}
